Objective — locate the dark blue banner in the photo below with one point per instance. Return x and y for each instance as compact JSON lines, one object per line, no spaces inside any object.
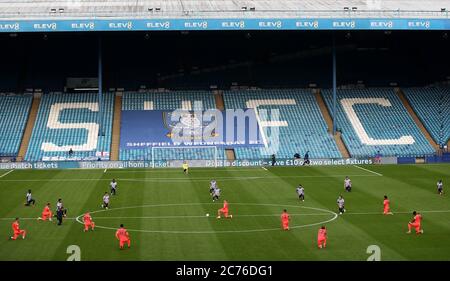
{"x":143,"y":129}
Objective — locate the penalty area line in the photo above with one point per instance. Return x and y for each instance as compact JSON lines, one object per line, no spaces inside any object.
{"x":370,"y":171}
{"x":7,"y":173}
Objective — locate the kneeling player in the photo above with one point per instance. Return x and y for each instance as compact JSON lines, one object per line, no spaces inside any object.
{"x":416,"y":223}
{"x":17,"y":231}
{"x":341,"y":206}
{"x":105,"y":204}
{"x":87,"y":219}
{"x":46,"y":213}
{"x":29,"y":199}
{"x":224,"y":210}
{"x":347,"y":184}
{"x":322,"y":238}
{"x":216,"y":194}
{"x":301,"y":192}
{"x":387,"y":208}
{"x":212,"y":186}
{"x":285,"y":220}
{"x":123,"y":237}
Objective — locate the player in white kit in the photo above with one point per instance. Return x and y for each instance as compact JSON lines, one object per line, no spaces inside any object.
{"x":216,"y":194}
{"x":113,"y":186}
{"x":440,"y":187}
{"x":340,"y":203}
{"x":348,"y":184}
{"x":301,"y":192}
{"x":105,"y":204}
{"x":212,"y":186}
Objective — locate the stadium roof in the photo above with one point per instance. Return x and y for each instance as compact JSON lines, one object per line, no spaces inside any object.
{"x":97,"y":9}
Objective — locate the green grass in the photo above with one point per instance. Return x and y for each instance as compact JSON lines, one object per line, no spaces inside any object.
{"x":256,"y":198}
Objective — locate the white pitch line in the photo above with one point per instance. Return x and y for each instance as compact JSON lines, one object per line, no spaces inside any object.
{"x":335,"y":216}
{"x":264,"y":168}
{"x":182,"y":217}
{"x":403,"y":212}
{"x":368,"y":170}
{"x":20,"y":218}
{"x":6,"y":173}
{"x":185,"y":179}
{"x":179,"y":217}
{"x":105,"y":170}
{"x":204,"y":216}
{"x":268,"y":215}
{"x":163,"y":171}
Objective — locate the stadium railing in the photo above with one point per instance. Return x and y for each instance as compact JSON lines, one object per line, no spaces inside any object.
{"x":45,"y":12}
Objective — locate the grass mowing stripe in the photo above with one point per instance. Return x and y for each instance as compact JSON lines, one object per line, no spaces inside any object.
{"x":191,"y":179}
{"x":39,"y":245}
{"x":77,"y":199}
{"x":278,"y":190}
{"x":237,"y":191}
{"x":409,"y":187}
{"x":316,"y":192}
{"x":260,"y":215}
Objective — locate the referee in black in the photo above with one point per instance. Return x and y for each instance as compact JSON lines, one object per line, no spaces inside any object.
{"x":59,"y":216}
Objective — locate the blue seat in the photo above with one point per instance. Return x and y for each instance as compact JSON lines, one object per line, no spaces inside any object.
{"x":432,"y":106}
{"x":373,"y":120}
{"x":188,"y":100}
{"x":71,"y":120}
{"x":306,"y":129}
{"x":14,"y":111}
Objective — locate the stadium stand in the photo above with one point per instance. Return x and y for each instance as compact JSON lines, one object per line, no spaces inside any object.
{"x":186,"y":100}
{"x":432,"y":105}
{"x":117,"y":115}
{"x":32,"y":116}
{"x":304,"y":128}
{"x":70,"y":121}
{"x":14,"y":110}
{"x":370,"y":120}
{"x":213,"y":8}
{"x":329,"y":121}
{"x":374,"y":120}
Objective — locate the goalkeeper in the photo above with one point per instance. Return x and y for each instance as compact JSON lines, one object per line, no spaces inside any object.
{"x":185,"y":168}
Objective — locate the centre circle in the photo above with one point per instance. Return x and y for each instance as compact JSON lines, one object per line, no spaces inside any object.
{"x":319,"y":212}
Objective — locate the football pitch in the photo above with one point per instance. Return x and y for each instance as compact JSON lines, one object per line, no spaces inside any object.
{"x":165,"y":213}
